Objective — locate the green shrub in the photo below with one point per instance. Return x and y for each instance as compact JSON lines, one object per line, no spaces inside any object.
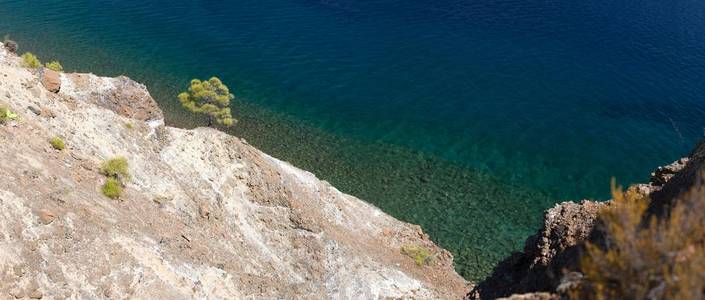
{"x":116,"y":168}
{"x":210,"y":97}
{"x":420,"y":255}
{"x":644,"y":257}
{"x":55,"y":66}
{"x":129,"y":125}
{"x":31,"y":61}
{"x":57,"y":143}
{"x":7,"y":115}
{"x":112,"y":188}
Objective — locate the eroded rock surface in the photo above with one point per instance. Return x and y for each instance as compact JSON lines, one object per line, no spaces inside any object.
{"x":683,"y":179}
{"x":554,"y":248}
{"x":121,"y":95}
{"x":205,"y":215}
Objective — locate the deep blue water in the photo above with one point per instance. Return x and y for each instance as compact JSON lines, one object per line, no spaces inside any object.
{"x":467,"y":117}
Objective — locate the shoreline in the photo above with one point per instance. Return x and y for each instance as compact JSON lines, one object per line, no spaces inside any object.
{"x":390,"y":178}
{"x":200,"y":213}
{"x":417,"y":188}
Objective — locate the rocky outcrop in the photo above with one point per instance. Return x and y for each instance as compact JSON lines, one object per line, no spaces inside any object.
{"x":546,"y":255}
{"x":687,"y":170}
{"x":664,"y":174}
{"x":205,"y":215}
{"x":547,"y":266}
{"x":120,"y":95}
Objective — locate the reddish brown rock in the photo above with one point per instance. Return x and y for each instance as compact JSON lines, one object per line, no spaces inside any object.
{"x":46,"y":217}
{"x":51,"y":80}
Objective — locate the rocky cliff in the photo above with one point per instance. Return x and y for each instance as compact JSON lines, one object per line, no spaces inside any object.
{"x":548,"y":266}
{"x":204,"y":215}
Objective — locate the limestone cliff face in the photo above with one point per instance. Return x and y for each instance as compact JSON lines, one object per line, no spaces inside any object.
{"x":205,"y":215}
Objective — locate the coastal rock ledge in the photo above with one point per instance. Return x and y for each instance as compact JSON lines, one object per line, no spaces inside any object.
{"x":204,"y":215}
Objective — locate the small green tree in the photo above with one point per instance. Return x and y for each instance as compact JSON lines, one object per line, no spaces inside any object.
{"x":210,"y":97}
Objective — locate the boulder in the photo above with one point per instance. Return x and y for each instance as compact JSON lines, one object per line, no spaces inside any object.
{"x":51,"y":80}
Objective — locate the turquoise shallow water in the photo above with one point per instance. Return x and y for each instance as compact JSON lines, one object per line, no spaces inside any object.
{"x":466,"y":117}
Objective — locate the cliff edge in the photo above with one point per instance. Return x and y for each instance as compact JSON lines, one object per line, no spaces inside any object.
{"x":204,"y":215}
{"x":549,"y":265}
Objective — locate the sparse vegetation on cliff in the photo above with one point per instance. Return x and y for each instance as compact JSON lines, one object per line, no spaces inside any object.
{"x":116,"y":169}
{"x":644,"y":257}
{"x":57,"y":143}
{"x":31,"y":61}
{"x":210,"y":97}
{"x":420,"y":255}
{"x":7,"y":115}
{"x":112,"y":188}
{"x":54,"y":66}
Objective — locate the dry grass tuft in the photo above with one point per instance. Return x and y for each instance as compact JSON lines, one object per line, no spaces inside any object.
{"x":644,"y":257}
